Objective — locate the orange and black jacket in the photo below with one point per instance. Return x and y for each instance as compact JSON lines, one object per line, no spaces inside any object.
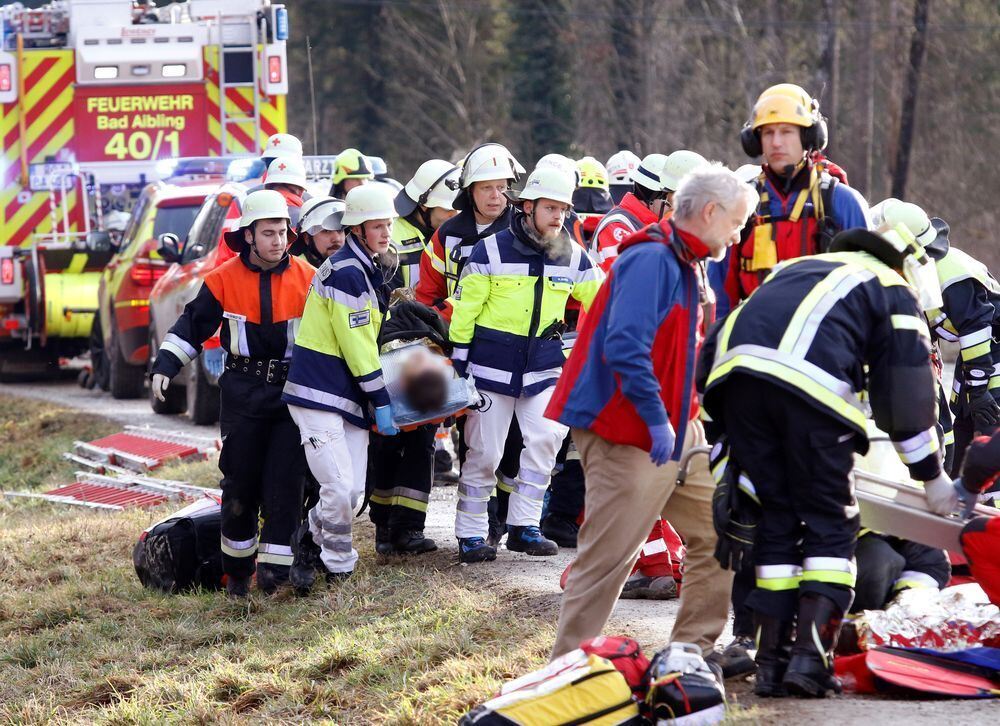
{"x":258,"y":310}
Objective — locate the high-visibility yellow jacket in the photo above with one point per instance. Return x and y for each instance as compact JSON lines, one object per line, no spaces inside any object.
{"x":336,"y":364}
{"x":508,"y":307}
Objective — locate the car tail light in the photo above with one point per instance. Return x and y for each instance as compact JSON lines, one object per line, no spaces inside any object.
{"x":7,"y":271}
{"x":6,"y":76}
{"x":146,"y":274}
{"x":274,"y":69}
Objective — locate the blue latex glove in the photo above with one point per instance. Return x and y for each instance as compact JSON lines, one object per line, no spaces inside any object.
{"x":663,"y":443}
{"x":461,"y":367}
{"x":967,"y":500}
{"x":383,"y":420}
{"x":214,"y":359}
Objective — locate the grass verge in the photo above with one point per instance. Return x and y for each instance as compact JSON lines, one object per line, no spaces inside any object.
{"x":409,"y":641}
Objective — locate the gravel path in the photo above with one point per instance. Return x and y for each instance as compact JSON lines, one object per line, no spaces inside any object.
{"x":538,"y":581}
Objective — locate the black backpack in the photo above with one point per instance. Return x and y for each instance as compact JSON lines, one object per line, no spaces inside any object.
{"x":183,"y":551}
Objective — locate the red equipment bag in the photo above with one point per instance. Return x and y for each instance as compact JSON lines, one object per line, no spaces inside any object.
{"x":625,"y":655}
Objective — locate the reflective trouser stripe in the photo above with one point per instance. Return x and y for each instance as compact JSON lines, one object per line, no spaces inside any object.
{"x":275,"y":554}
{"x":506,"y":484}
{"x":911,"y":578}
{"x":835,"y":570}
{"x":402,"y":497}
{"x":654,"y":548}
{"x":239,"y":548}
{"x":778,"y":577}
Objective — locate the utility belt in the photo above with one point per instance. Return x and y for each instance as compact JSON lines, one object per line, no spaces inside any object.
{"x":272,"y":370}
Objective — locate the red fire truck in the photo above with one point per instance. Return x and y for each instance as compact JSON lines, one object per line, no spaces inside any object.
{"x":93,"y":94}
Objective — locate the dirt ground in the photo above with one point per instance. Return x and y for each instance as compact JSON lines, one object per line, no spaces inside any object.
{"x":537,"y":579}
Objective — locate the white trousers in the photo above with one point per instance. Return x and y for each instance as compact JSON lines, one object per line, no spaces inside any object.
{"x":337,"y":453}
{"x":485,"y":434}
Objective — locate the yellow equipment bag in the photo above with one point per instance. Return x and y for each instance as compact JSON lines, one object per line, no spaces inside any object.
{"x":765,"y":250}
{"x":574,"y":689}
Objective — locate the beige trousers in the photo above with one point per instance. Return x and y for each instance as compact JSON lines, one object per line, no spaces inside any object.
{"x":625,"y":495}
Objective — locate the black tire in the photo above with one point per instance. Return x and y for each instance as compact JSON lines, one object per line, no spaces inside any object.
{"x":126,"y":380}
{"x":202,"y":396}
{"x":176,"y":398}
{"x":99,"y":376}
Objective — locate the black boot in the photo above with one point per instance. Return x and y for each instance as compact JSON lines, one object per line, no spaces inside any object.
{"x":383,"y":541}
{"x":774,"y":649}
{"x":305,"y":560}
{"x":413,"y":542}
{"x":271,"y":577}
{"x":237,"y":588}
{"x":810,"y":672}
{"x":497,"y":526}
{"x":561,"y":530}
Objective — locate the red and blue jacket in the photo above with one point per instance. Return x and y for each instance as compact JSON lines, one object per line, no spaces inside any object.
{"x":633,"y":363}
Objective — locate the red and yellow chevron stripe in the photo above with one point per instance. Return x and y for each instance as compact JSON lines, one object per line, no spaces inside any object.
{"x":48,"y":103}
{"x":239,"y":102}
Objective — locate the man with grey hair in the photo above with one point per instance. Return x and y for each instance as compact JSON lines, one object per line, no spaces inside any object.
{"x":627,"y":391}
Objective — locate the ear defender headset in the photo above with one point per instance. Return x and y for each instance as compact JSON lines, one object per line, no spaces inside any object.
{"x":814,"y":136}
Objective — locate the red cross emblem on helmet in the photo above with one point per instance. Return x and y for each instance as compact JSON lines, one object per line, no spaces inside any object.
{"x":276,"y":142}
{"x":282,"y":167}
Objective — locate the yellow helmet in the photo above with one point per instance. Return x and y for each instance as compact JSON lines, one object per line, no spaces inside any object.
{"x":351,"y":164}
{"x":592,"y":173}
{"x":785,"y":103}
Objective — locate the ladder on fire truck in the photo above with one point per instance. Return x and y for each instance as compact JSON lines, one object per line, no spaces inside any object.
{"x":249,"y":34}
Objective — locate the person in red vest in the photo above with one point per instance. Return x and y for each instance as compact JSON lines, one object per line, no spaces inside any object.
{"x":803,"y":202}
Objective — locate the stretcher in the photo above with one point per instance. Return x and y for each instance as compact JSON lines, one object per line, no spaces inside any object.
{"x":462,"y":393}
{"x":900,"y":510}
{"x":890,"y":507}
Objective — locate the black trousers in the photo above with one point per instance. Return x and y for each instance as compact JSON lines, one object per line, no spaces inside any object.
{"x":568,"y":489}
{"x":401,"y":473}
{"x":263,"y":469}
{"x":800,"y":460}
{"x":885,"y":561}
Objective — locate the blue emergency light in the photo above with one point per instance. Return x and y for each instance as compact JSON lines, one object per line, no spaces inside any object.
{"x":281,"y":23}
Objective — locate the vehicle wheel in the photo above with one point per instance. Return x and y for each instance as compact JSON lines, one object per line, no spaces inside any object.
{"x":98,"y":357}
{"x":176,"y":398}
{"x":126,"y":379}
{"x":202,"y":396}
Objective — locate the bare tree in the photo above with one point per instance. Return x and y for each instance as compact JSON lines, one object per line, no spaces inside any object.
{"x":918,"y":47}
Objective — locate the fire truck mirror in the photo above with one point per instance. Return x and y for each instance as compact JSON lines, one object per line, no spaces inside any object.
{"x":99,"y":241}
{"x":170,"y":247}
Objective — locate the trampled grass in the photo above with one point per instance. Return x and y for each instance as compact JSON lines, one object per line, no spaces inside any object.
{"x":404,"y":641}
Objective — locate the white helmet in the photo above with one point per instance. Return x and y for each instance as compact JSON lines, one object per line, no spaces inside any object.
{"x":748,"y":173}
{"x":434,"y":184}
{"x":651,"y":173}
{"x":891,"y":212}
{"x":547,"y":182}
{"x":287,"y":170}
{"x":367,"y":202}
{"x":489,"y":162}
{"x":679,"y":164}
{"x":321,"y":213}
{"x":282,"y":145}
{"x":258,"y":205}
{"x":620,"y":167}
{"x":562,"y":163}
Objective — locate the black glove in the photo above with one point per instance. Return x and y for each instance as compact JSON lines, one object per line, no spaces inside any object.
{"x":983,"y":407}
{"x":735,"y":513}
{"x":410,"y":320}
{"x":985,"y":410}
